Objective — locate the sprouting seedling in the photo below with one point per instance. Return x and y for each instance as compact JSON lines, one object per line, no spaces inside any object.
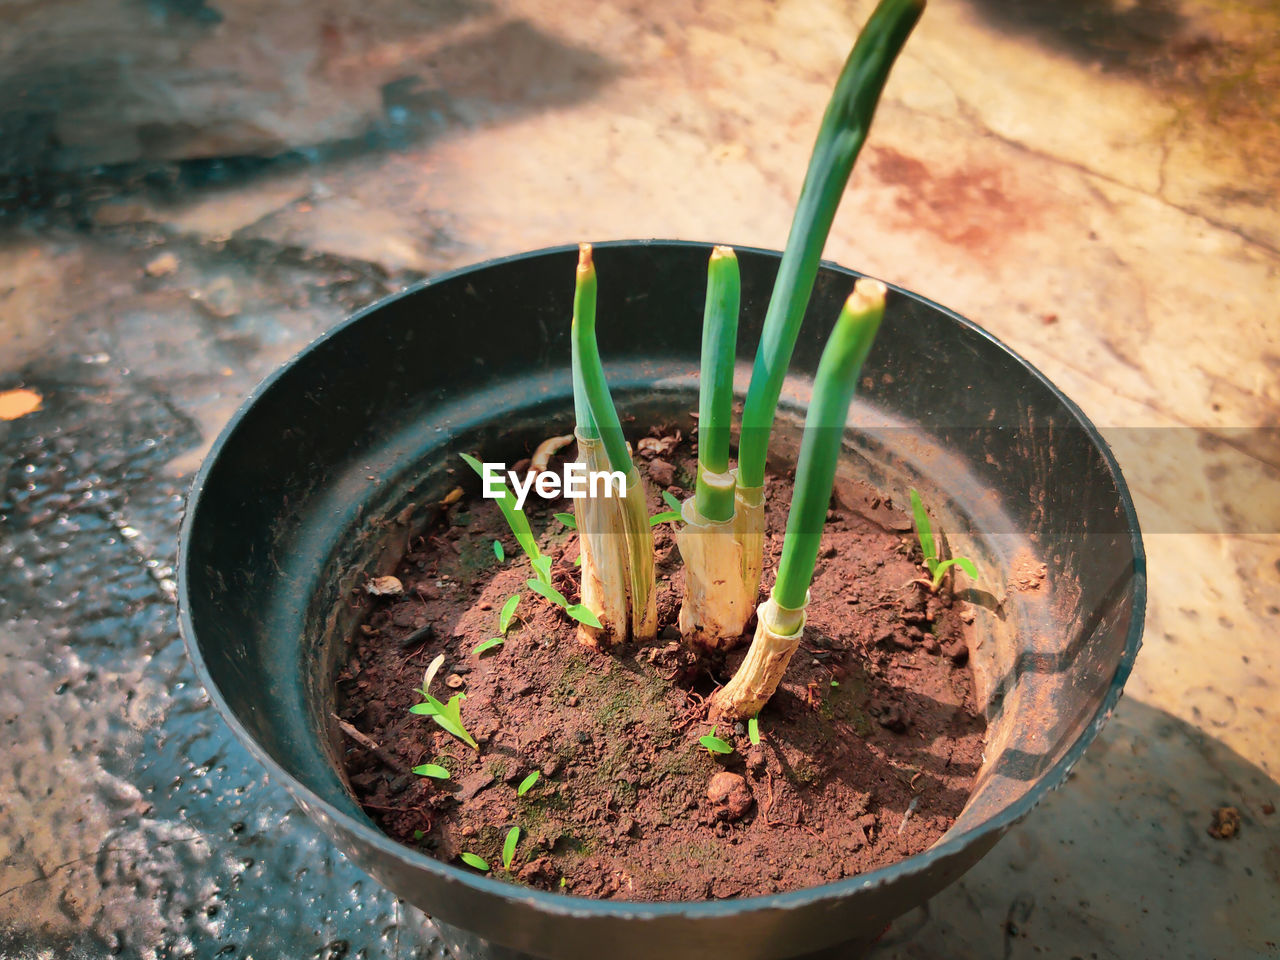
{"x":527,"y":784}
{"x":714,"y":744}
{"x":929,"y":547}
{"x":753,"y":731}
{"x":499,"y":551}
{"x":578,"y":611}
{"x":515,"y":518}
{"x":508,"y":612}
{"x":509,"y":848}
{"x":567,"y":519}
{"x":504,"y":624}
{"x":447,"y":716}
{"x":433,"y":770}
{"x":471,"y":860}
{"x":666,"y":516}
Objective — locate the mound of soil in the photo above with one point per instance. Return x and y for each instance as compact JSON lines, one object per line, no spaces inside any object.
{"x":868,"y":751}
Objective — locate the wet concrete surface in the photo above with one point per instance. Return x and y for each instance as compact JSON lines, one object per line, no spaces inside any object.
{"x":1094,"y":183}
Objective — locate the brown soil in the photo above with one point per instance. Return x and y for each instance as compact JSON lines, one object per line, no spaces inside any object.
{"x":875,"y":718}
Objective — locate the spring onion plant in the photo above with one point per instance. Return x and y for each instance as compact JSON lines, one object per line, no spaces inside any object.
{"x":614,"y":534}
{"x":717,"y":601}
{"x":782,"y":616}
{"x":840,"y":138}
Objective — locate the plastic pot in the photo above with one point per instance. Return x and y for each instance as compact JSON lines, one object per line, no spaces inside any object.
{"x":321,"y":476}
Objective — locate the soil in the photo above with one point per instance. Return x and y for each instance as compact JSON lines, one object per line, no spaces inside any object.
{"x":868,"y":750}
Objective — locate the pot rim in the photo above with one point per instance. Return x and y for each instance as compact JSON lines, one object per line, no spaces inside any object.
{"x":572,"y":905}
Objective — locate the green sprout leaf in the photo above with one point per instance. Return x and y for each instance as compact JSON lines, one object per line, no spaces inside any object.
{"x":924,"y":531}
{"x":940,"y":571}
{"x":527,"y":784}
{"x":835,"y":683}
{"x":447,"y":716}
{"x":542,"y":567}
{"x":419,"y":834}
{"x":583,"y":614}
{"x":498,"y":551}
{"x":577,"y":561}
{"x":548,"y":591}
{"x":488,"y":645}
{"x":568,"y":520}
{"x":670,"y":500}
{"x":753,"y":731}
{"x":516,"y":519}
{"x":714,"y":743}
{"x":508,"y":611}
{"x":432,"y":770}
{"x":471,"y":860}
{"x":665,"y":517}
{"x":509,"y":848}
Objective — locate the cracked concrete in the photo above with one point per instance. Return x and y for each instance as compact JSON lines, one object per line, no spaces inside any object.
{"x":1092,"y":182}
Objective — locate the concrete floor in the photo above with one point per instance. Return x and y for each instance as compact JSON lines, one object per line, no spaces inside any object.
{"x":1093,"y":182}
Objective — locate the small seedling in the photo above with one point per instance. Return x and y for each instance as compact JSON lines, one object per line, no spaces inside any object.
{"x":471,"y":860}
{"x":433,"y":770}
{"x":542,"y":567}
{"x":527,"y":784}
{"x":508,"y":612}
{"x":447,"y":716}
{"x":582,"y":613}
{"x":714,"y":744}
{"x":419,"y":834}
{"x":568,"y":520}
{"x":665,"y":517}
{"x":835,"y":683}
{"x":516,"y":519}
{"x":548,"y":591}
{"x":929,"y":547}
{"x":488,"y":645}
{"x":753,"y":731}
{"x":498,"y":551}
{"x":670,"y":500}
{"x":509,"y":848}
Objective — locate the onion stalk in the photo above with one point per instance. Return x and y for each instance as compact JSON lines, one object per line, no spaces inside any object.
{"x":781,"y":618}
{"x":840,"y":137}
{"x":718,"y":600}
{"x":614,"y":533}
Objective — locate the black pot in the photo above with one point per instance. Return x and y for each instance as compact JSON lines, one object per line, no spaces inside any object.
{"x":321,"y":476}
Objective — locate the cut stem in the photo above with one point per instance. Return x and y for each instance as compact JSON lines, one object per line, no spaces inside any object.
{"x":714,"y":496}
{"x":840,"y":138}
{"x":782,"y":616}
{"x":615,"y":537}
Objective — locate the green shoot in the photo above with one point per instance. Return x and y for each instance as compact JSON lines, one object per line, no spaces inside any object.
{"x":583,"y":614}
{"x":488,"y":645}
{"x":527,"y":783}
{"x":542,"y":567}
{"x":548,"y":591}
{"x":670,"y":500}
{"x":840,"y":137}
{"x":508,"y":612}
{"x":471,"y":860}
{"x":516,"y":519}
{"x":419,"y":834}
{"x":498,"y":551}
{"x":447,"y":716}
{"x":833,"y":389}
{"x":753,"y":731}
{"x":714,"y":744}
{"x":509,"y":848}
{"x":929,"y":548}
{"x":714,"y":501}
{"x":435,"y":771}
{"x":568,"y":520}
{"x":593,"y":404}
{"x":666,"y":516}
{"x":835,"y":683}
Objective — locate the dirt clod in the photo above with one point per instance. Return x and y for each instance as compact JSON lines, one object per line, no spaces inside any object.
{"x":1226,"y":823}
{"x":729,"y":795}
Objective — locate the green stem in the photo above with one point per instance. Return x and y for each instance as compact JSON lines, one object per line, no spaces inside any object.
{"x":590,"y":389}
{"x":844,"y":128}
{"x":715,"y":402}
{"x":833,"y":390}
